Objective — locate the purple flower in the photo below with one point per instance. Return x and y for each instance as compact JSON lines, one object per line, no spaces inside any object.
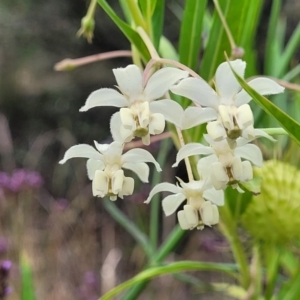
{"x":34,"y":179}
{"x":5,"y":267}
{"x":4,"y":180}
{"x":17,"y":180}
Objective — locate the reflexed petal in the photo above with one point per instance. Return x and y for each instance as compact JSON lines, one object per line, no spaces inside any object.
{"x":249,"y":133}
{"x":204,"y":165}
{"x":127,"y":119}
{"x":104,"y":97}
{"x":119,"y":133}
{"x":141,"y":169}
{"x":163,"y":187}
{"x":198,"y":91}
{"x":192,"y":149}
{"x":81,"y":150}
{"x":117,"y":181}
{"x":206,"y":212}
{"x":226,"y":83}
{"x":226,"y":116}
{"x":183,"y":220}
{"x":170,"y":109}
{"x":115,"y":148}
{"x":194,"y":116}
{"x":191,"y":215}
{"x":100,"y":184}
{"x":157,"y":124}
{"x":237,"y":168}
{"x":160,"y":81}
{"x":244,"y":116}
{"x":250,"y":152}
{"x":140,"y":155}
{"x":263,"y":86}
{"x":247,"y":170}
{"x":92,"y":166}
{"x":129,"y":81}
{"x":171,"y":203}
{"x":214,"y":196}
{"x":216,"y":131}
{"x":128,"y":186}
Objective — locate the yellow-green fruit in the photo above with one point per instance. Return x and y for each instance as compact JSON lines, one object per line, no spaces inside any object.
{"x":274,"y":215}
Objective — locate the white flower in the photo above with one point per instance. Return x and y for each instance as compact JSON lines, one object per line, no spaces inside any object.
{"x":223,"y":165}
{"x":140,"y":115}
{"x":199,"y":210}
{"x":229,"y":103}
{"x":104,"y":167}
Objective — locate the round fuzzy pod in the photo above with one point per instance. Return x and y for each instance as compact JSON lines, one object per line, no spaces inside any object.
{"x":273,"y":216}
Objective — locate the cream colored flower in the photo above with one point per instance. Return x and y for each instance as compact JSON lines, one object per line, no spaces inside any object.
{"x":201,"y":204}
{"x":105,"y":167}
{"x":140,"y":115}
{"x":223,"y":166}
{"x":228,"y":106}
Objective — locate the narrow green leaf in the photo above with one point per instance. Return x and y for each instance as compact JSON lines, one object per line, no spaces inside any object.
{"x":157,"y":21}
{"x":27,"y":289}
{"x":289,"y":124}
{"x":181,"y":266}
{"x":190,"y":32}
{"x":242,"y":19}
{"x":131,"y":34}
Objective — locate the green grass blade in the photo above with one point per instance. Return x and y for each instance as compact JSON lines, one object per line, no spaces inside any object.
{"x":158,"y":21}
{"x":176,"y":267}
{"x":288,"y":123}
{"x":190,"y":32}
{"x":27,"y":289}
{"x":131,"y":34}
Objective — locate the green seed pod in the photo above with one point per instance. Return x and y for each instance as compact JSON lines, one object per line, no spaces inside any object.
{"x":273,"y":216}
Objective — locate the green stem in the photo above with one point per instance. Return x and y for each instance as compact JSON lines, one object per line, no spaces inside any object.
{"x":136,"y":14}
{"x":139,"y":236}
{"x":155,"y":202}
{"x":228,"y":227}
{"x":92,"y":9}
{"x":275,"y":131}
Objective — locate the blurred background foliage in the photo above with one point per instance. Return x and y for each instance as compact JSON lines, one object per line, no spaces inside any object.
{"x":76,"y":250}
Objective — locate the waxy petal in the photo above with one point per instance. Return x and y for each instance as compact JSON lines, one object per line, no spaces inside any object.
{"x":163,"y":187}
{"x":138,"y":156}
{"x":160,"y":82}
{"x":244,"y":116}
{"x":182,"y":220}
{"x":171,"y":203}
{"x":194,"y":116}
{"x":237,"y":168}
{"x":198,"y":91}
{"x":260,"y":133}
{"x":263,"y":86}
{"x":170,"y":109}
{"x":207,"y":214}
{"x":82,"y":150}
{"x":104,"y":97}
{"x":247,"y":170}
{"x":214,"y":196}
{"x":191,"y":215}
{"x":250,"y":152}
{"x":129,"y":81}
{"x":204,"y":165}
{"x":92,"y":166}
{"x":128,"y":187}
{"x":226,"y":84}
{"x":115,"y":148}
{"x":117,"y":181}
{"x":192,"y":149}
{"x":141,"y":170}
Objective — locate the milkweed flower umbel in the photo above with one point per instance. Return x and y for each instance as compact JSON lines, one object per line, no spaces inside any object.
{"x":231,"y":116}
{"x":201,"y":204}
{"x":140,"y":115}
{"x":105,"y":167}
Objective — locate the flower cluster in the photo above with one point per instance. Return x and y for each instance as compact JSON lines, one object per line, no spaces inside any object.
{"x":144,"y":109}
